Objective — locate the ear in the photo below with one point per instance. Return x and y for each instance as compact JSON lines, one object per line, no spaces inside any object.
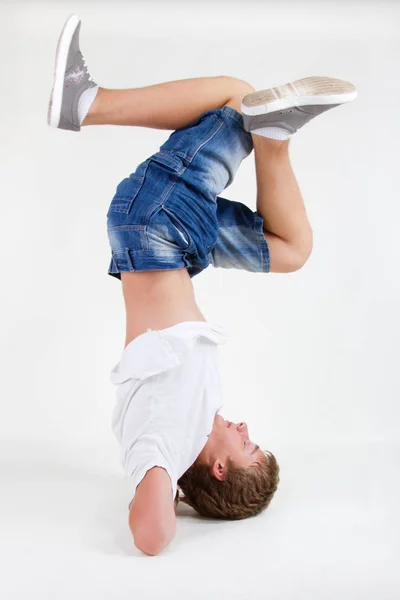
{"x":219,"y":470}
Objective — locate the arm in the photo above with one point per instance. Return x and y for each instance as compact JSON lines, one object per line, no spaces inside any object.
{"x":152,"y":513}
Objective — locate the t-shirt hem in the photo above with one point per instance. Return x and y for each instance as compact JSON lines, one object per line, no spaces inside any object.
{"x":134,"y":480}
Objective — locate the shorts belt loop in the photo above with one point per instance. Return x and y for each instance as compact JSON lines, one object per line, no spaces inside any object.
{"x":129,"y":259}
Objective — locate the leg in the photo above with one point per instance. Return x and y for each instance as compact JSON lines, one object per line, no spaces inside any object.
{"x":280,"y":204}
{"x":170,"y":105}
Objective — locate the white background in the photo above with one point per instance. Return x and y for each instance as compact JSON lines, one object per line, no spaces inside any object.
{"x":313,"y":361}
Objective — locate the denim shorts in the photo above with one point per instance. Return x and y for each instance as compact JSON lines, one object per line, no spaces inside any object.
{"x":168,"y":215}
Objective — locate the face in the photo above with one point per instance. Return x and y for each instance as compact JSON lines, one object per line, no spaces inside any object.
{"x":229,"y":440}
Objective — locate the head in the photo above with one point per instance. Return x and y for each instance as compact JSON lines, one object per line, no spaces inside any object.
{"x":232,"y":478}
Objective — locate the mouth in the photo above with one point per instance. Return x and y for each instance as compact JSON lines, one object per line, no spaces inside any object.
{"x":228,"y":423}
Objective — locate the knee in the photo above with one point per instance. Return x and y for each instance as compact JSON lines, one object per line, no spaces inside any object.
{"x":298,"y":262}
{"x":288,"y":256}
{"x":237,"y":90}
{"x":298,"y":256}
{"x":239,"y":86}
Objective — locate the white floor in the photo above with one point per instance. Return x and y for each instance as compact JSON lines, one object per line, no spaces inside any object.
{"x":313,"y":363}
{"x":331,"y":531}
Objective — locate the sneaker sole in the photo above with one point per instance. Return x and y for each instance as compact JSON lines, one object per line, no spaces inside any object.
{"x":302,"y":92}
{"x":54,"y":110}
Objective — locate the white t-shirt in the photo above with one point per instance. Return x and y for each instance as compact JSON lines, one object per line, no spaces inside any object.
{"x":168,"y":393}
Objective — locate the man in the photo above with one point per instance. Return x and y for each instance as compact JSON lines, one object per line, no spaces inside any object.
{"x":166,"y":223}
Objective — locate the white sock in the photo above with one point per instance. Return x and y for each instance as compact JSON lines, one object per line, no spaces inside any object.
{"x":86,"y":101}
{"x":275,"y":133}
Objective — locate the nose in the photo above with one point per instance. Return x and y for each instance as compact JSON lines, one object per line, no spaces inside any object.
{"x":242,"y":427}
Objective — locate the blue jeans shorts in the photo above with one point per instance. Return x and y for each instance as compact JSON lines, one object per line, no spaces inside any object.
{"x":168,"y":215}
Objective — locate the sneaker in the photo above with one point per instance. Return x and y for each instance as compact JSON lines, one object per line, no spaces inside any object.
{"x":71,"y":79}
{"x":292,"y":105}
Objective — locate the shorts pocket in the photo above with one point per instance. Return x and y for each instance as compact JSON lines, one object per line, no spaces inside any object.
{"x":166,"y":231}
{"x":179,"y":228}
{"x":126,"y":193}
{"x":128,"y":189}
{"x":174,"y":163}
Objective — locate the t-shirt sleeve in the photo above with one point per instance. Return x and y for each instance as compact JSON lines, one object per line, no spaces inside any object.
{"x":136,"y":476}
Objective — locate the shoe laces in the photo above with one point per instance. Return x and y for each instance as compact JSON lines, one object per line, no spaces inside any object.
{"x":90,"y":78}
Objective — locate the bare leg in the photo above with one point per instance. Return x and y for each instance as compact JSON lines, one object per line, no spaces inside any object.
{"x":280,"y":204}
{"x":170,"y":105}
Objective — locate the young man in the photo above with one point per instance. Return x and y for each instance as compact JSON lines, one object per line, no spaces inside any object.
{"x":166,"y":223}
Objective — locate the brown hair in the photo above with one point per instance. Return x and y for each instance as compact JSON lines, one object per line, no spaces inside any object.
{"x":244,"y":493}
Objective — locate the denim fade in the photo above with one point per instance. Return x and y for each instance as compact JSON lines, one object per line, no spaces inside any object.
{"x":168,"y":213}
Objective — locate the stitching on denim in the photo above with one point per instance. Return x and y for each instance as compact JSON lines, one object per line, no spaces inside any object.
{"x":184,"y":155}
{"x":172,"y":217}
{"x":170,"y":159}
{"x":129,"y":259}
{"x":221,"y":122}
{"x":132,"y":250}
{"x":128,"y":200}
{"x":236,"y":115}
{"x":258,"y":227}
{"x":174,"y":179}
{"x":126,"y":228}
